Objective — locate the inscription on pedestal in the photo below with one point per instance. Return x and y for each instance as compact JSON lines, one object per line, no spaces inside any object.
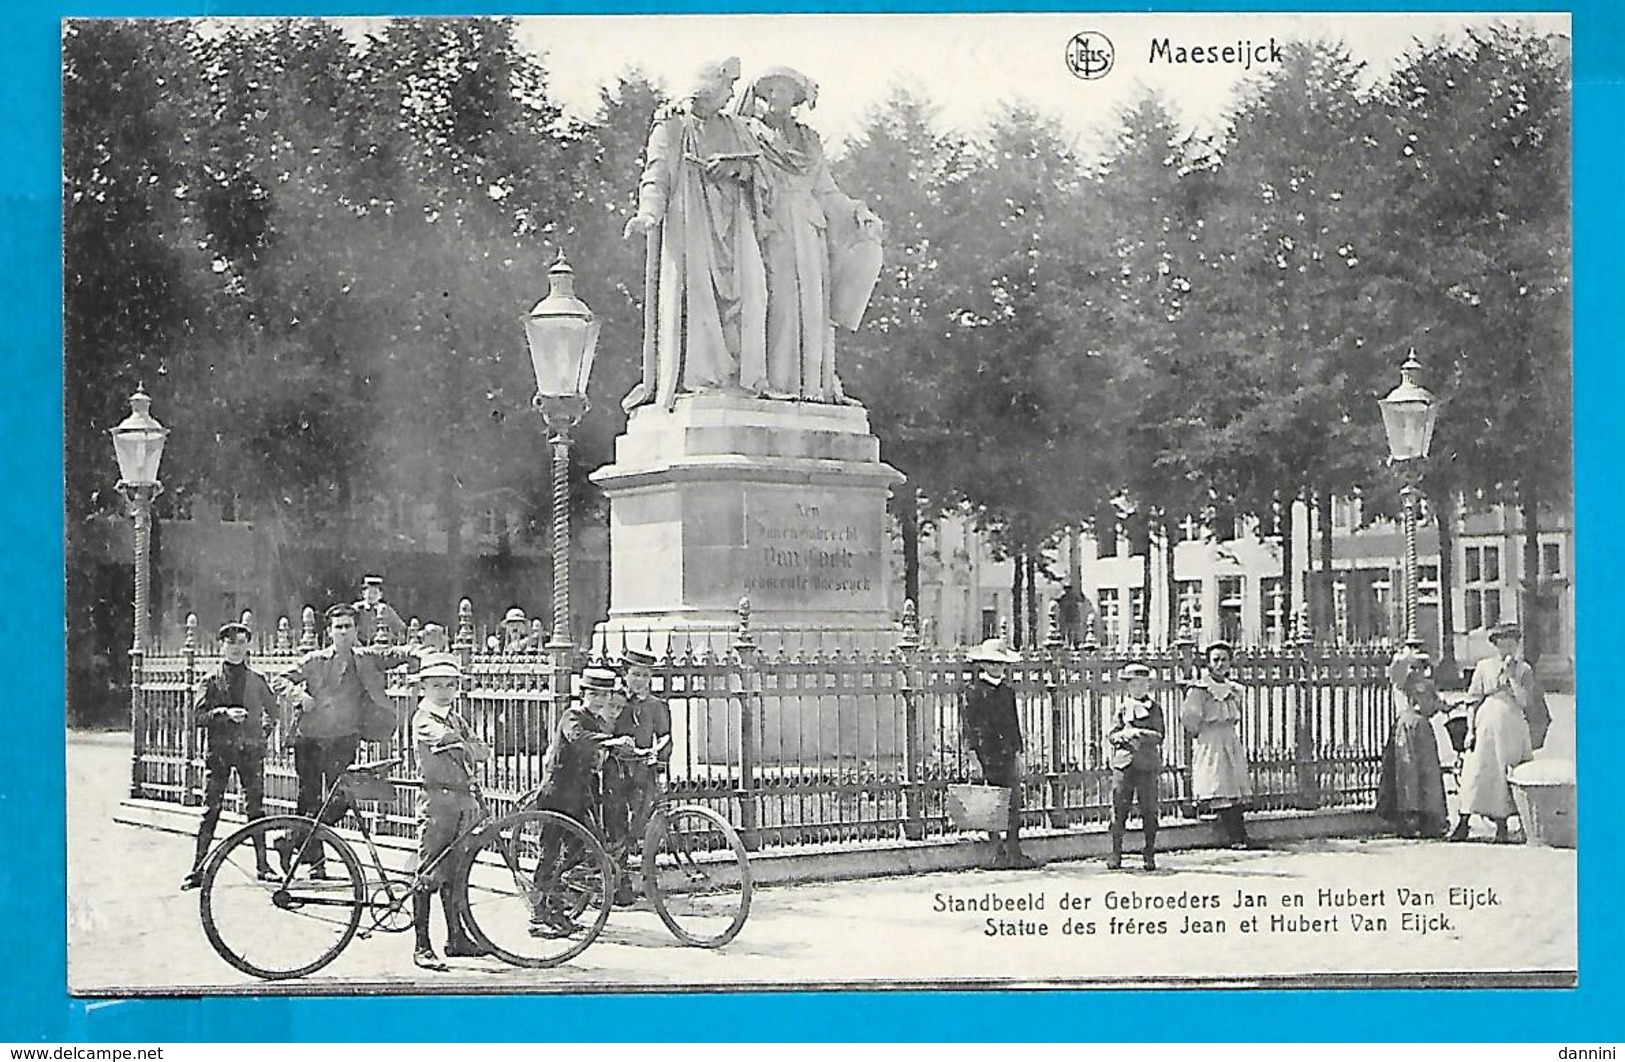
{"x":822,"y":552}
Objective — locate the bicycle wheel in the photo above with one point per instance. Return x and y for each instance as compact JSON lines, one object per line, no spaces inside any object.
{"x":697,"y":875}
{"x":289,"y":925}
{"x":537,"y":888}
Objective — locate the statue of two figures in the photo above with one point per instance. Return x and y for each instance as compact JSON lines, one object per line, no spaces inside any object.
{"x":754,"y":254}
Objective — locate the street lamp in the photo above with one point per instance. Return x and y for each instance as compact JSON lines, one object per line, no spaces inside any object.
{"x":1407,"y":416}
{"x":563,"y":337}
{"x":138,"y":444}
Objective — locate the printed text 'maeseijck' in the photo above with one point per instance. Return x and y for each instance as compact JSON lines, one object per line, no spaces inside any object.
{"x":1243,"y":53}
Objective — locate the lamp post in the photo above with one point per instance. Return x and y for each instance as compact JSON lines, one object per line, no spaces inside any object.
{"x":1407,"y":417}
{"x":563,"y":337}
{"x":138,"y":444}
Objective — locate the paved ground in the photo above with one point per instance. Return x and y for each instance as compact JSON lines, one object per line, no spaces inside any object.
{"x":1369,"y":907}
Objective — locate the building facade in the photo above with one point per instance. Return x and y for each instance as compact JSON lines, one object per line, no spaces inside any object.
{"x":1228,"y":582}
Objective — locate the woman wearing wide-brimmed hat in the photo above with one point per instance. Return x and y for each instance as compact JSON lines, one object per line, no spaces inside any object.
{"x":1505,"y":700}
{"x":1220,"y":779}
{"x":993,"y":727}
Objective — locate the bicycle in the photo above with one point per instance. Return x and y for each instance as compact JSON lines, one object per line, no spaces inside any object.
{"x":696,"y":873}
{"x":534,"y":888}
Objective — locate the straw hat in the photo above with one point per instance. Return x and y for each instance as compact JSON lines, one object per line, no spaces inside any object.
{"x":994,"y":651}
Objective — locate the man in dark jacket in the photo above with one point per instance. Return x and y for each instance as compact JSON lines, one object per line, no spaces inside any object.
{"x":994,"y":730}
{"x":237,"y":709}
{"x":339,"y":692}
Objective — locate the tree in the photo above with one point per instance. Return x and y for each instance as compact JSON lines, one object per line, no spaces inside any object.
{"x":1300,"y":188}
{"x":1481,"y":137}
{"x":896,"y":363}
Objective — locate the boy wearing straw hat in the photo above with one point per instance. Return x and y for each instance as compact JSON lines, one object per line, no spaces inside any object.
{"x":994,"y":729}
{"x":1136,"y":761}
{"x":583,"y":732}
{"x":447,"y":754}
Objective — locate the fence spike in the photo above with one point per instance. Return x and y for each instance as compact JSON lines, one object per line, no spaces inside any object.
{"x":307,"y":629}
{"x":464,"y":639}
{"x":414,"y":630}
{"x":380,"y":628}
{"x":284,"y":636}
{"x":1053,"y":640}
{"x":1089,"y":643}
{"x":910,"y":638}
{"x":190,"y":644}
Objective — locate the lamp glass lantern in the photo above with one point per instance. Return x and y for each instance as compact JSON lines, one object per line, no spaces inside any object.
{"x":1408,"y":414}
{"x":562,"y":333}
{"x":138,"y":443}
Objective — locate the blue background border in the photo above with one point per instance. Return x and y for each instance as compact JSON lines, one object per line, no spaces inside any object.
{"x":34,"y":1003}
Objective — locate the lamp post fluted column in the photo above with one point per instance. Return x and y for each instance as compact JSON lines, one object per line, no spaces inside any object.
{"x":1407,"y":417}
{"x":561,"y":415}
{"x":138,"y":444}
{"x":140,"y":497}
{"x":1408,"y":496}
{"x":562,"y":334}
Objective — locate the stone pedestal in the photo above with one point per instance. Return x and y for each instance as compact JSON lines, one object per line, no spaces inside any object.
{"x":727,"y":497}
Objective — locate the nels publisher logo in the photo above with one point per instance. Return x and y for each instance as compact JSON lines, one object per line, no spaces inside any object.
{"x":1090,"y":55}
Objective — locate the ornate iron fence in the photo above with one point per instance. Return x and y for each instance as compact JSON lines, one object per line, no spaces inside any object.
{"x":801,"y":744}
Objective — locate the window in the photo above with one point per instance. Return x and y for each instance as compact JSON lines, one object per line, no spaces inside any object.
{"x":1480,"y":596}
{"x":1230,"y":591}
{"x":1346,"y":513}
{"x":1272,"y":610}
{"x":1483,"y":608}
{"x":1111,"y":616}
{"x":1190,"y":529}
{"x":1427,"y":584}
{"x":1551,"y":560}
{"x":990,"y":623}
{"x":1138,"y":629}
{"x":1188,"y":607}
{"x":1382,"y":597}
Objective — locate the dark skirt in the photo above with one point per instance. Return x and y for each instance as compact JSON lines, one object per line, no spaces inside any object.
{"x":1412,"y":782}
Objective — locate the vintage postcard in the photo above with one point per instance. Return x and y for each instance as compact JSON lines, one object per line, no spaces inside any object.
{"x":618,"y":504}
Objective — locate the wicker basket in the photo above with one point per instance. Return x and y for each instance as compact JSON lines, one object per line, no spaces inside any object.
{"x":1546,"y":809}
{"x":979,"y":807}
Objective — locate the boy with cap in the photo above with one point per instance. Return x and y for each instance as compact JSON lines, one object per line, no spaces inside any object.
{"x":372,"y":609}
{"x":631,"y":784}
{"x":447,"y":754}
{"x":584,"y":731}
{"x":237,"y":709}
{"x":1136,"y":761}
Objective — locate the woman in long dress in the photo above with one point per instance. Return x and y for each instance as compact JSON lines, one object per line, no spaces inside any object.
{"x":1497,"y":736}
{"x":1211,"y":712}
{"x":1411,"y":791}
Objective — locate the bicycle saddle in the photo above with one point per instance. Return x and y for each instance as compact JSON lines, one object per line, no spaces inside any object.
{"x":374,"y":766}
